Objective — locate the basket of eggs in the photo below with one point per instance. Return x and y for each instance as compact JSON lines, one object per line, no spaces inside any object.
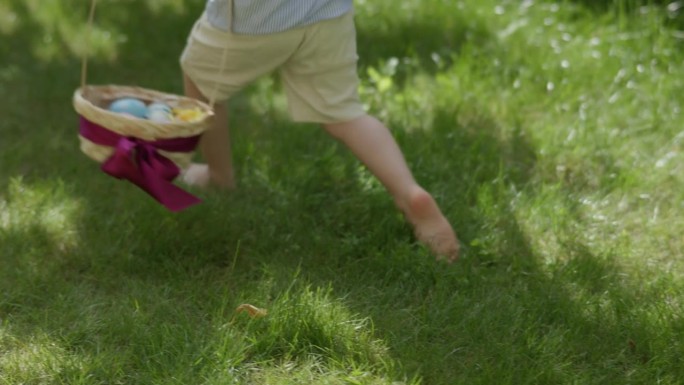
{"x":141,"y":135}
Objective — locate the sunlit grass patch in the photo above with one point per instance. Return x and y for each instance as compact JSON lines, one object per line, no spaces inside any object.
{"x":312,"y":372}
{"x":41,"y":207}
{"x":33,"y":358}
{"x":308,"y":334}
{"x":307,"y":322}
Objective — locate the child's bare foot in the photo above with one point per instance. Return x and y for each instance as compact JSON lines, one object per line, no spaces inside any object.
{"x":199,"y":175}
{"x":430,"y":225}
{"x":196,"y":175}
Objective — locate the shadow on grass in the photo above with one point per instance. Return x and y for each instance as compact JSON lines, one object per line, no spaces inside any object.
{"x":486,"y":304}
{"x":497,"y":316}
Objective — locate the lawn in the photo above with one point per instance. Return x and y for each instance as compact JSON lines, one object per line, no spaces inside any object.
{"x":550,"y":132}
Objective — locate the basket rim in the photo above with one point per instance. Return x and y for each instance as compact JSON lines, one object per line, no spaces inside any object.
{"x":136,"y":90}
{"x":143,"y":128}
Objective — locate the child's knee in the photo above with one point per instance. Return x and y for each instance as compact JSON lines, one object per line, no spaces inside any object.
{"x":337,"y":129}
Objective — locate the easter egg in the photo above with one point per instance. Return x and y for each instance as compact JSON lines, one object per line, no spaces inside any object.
{"x":129,"y":106}
{"x":158,"y":106}
{"x":159,"y":116}
{"x":188,"y":115}
{"x":158,"y":112}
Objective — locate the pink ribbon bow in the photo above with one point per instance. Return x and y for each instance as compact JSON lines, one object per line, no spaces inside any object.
{"x":139,"y":162}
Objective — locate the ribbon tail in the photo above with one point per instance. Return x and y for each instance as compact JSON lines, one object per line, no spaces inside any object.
{"x":173,"y":197}
{"x":151,"y":172}
{"x":168,"y":194}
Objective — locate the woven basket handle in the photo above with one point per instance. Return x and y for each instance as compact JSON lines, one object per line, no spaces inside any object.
{"x":84,"y":63}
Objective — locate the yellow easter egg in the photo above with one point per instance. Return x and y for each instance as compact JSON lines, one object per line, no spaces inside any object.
{"x":188,"y":115}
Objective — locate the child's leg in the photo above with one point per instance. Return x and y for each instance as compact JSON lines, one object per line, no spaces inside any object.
{"x":214,"y":147}
{"x":220,"y":64}
{"x":374,"y":145}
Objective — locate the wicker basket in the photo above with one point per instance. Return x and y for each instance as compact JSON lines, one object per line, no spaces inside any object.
{"x":91,"y":103}
{"x":148,"y":153}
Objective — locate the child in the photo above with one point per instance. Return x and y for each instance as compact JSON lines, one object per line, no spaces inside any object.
{"x":313,"y":45}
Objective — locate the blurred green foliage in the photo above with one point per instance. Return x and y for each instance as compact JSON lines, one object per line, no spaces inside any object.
{"x":58,"y":29}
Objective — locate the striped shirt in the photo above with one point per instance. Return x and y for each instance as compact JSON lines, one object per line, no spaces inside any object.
{"x":260,"y":17}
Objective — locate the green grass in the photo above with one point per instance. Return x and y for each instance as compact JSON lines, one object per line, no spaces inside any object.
{"x":551,"y":134}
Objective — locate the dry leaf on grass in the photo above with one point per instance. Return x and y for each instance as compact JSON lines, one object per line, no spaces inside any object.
{"x":252,"y":310}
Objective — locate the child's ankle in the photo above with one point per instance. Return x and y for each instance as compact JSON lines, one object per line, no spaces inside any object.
{"x":407,"y":199}
{"x":222,"y":179}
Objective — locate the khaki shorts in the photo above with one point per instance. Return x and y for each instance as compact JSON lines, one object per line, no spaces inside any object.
{"x":317,"y":65}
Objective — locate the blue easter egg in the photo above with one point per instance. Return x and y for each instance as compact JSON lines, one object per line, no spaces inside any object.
{"x":130,"y":106}
{"x":158,"y":106}
{"x":159,"y":115}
